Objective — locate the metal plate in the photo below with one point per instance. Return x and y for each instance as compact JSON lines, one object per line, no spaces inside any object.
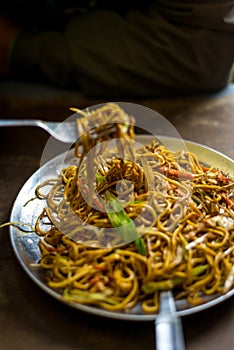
{"x":25,"y":245}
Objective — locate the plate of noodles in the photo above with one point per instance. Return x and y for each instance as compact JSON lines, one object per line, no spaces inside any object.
{"x":151,"y":217}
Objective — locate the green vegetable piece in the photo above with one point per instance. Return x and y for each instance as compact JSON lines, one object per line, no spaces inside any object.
{"x":123,"y":223}
{"x":78,"y":295}
{"x":154,"y":286}
{"x":198,"y":270}
{"x":100,"y":178}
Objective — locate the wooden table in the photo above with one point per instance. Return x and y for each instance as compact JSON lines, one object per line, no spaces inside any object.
{"x":31,"y":319}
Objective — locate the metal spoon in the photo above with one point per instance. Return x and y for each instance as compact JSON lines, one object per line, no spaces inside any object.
{"x":168,"y":327}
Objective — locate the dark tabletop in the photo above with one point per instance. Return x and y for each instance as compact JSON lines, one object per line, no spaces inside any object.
{"x":31,"y":319}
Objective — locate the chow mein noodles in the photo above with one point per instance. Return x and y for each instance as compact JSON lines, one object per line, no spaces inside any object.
{"x":126,"y":222}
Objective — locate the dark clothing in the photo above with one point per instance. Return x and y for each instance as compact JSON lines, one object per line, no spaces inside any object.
{"x":165,"y":48}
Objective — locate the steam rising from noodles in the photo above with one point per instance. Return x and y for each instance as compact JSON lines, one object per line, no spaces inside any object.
{"x":129,"y":220}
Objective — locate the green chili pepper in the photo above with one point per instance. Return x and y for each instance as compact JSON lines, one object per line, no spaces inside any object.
{"x":123,"y":223}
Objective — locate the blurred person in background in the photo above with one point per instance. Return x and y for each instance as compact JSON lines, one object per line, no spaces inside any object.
{"x":119,"y":48}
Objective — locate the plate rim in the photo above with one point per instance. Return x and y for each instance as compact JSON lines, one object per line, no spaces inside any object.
{"x":93,"y":309}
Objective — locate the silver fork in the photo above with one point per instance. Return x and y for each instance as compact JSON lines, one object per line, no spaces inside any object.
{"x":62,"y":131}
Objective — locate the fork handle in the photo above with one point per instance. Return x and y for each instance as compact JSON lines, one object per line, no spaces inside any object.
{"x":18,"y":122}
{"x":169,"y":334}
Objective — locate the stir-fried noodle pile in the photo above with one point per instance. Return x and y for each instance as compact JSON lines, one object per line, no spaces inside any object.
{"x":147,"y":219}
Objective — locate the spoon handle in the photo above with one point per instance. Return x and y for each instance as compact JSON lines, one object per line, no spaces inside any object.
{"x":168,"y":326}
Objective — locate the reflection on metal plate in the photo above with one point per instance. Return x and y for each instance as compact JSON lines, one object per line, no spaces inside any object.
{"x":25,"y":245}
